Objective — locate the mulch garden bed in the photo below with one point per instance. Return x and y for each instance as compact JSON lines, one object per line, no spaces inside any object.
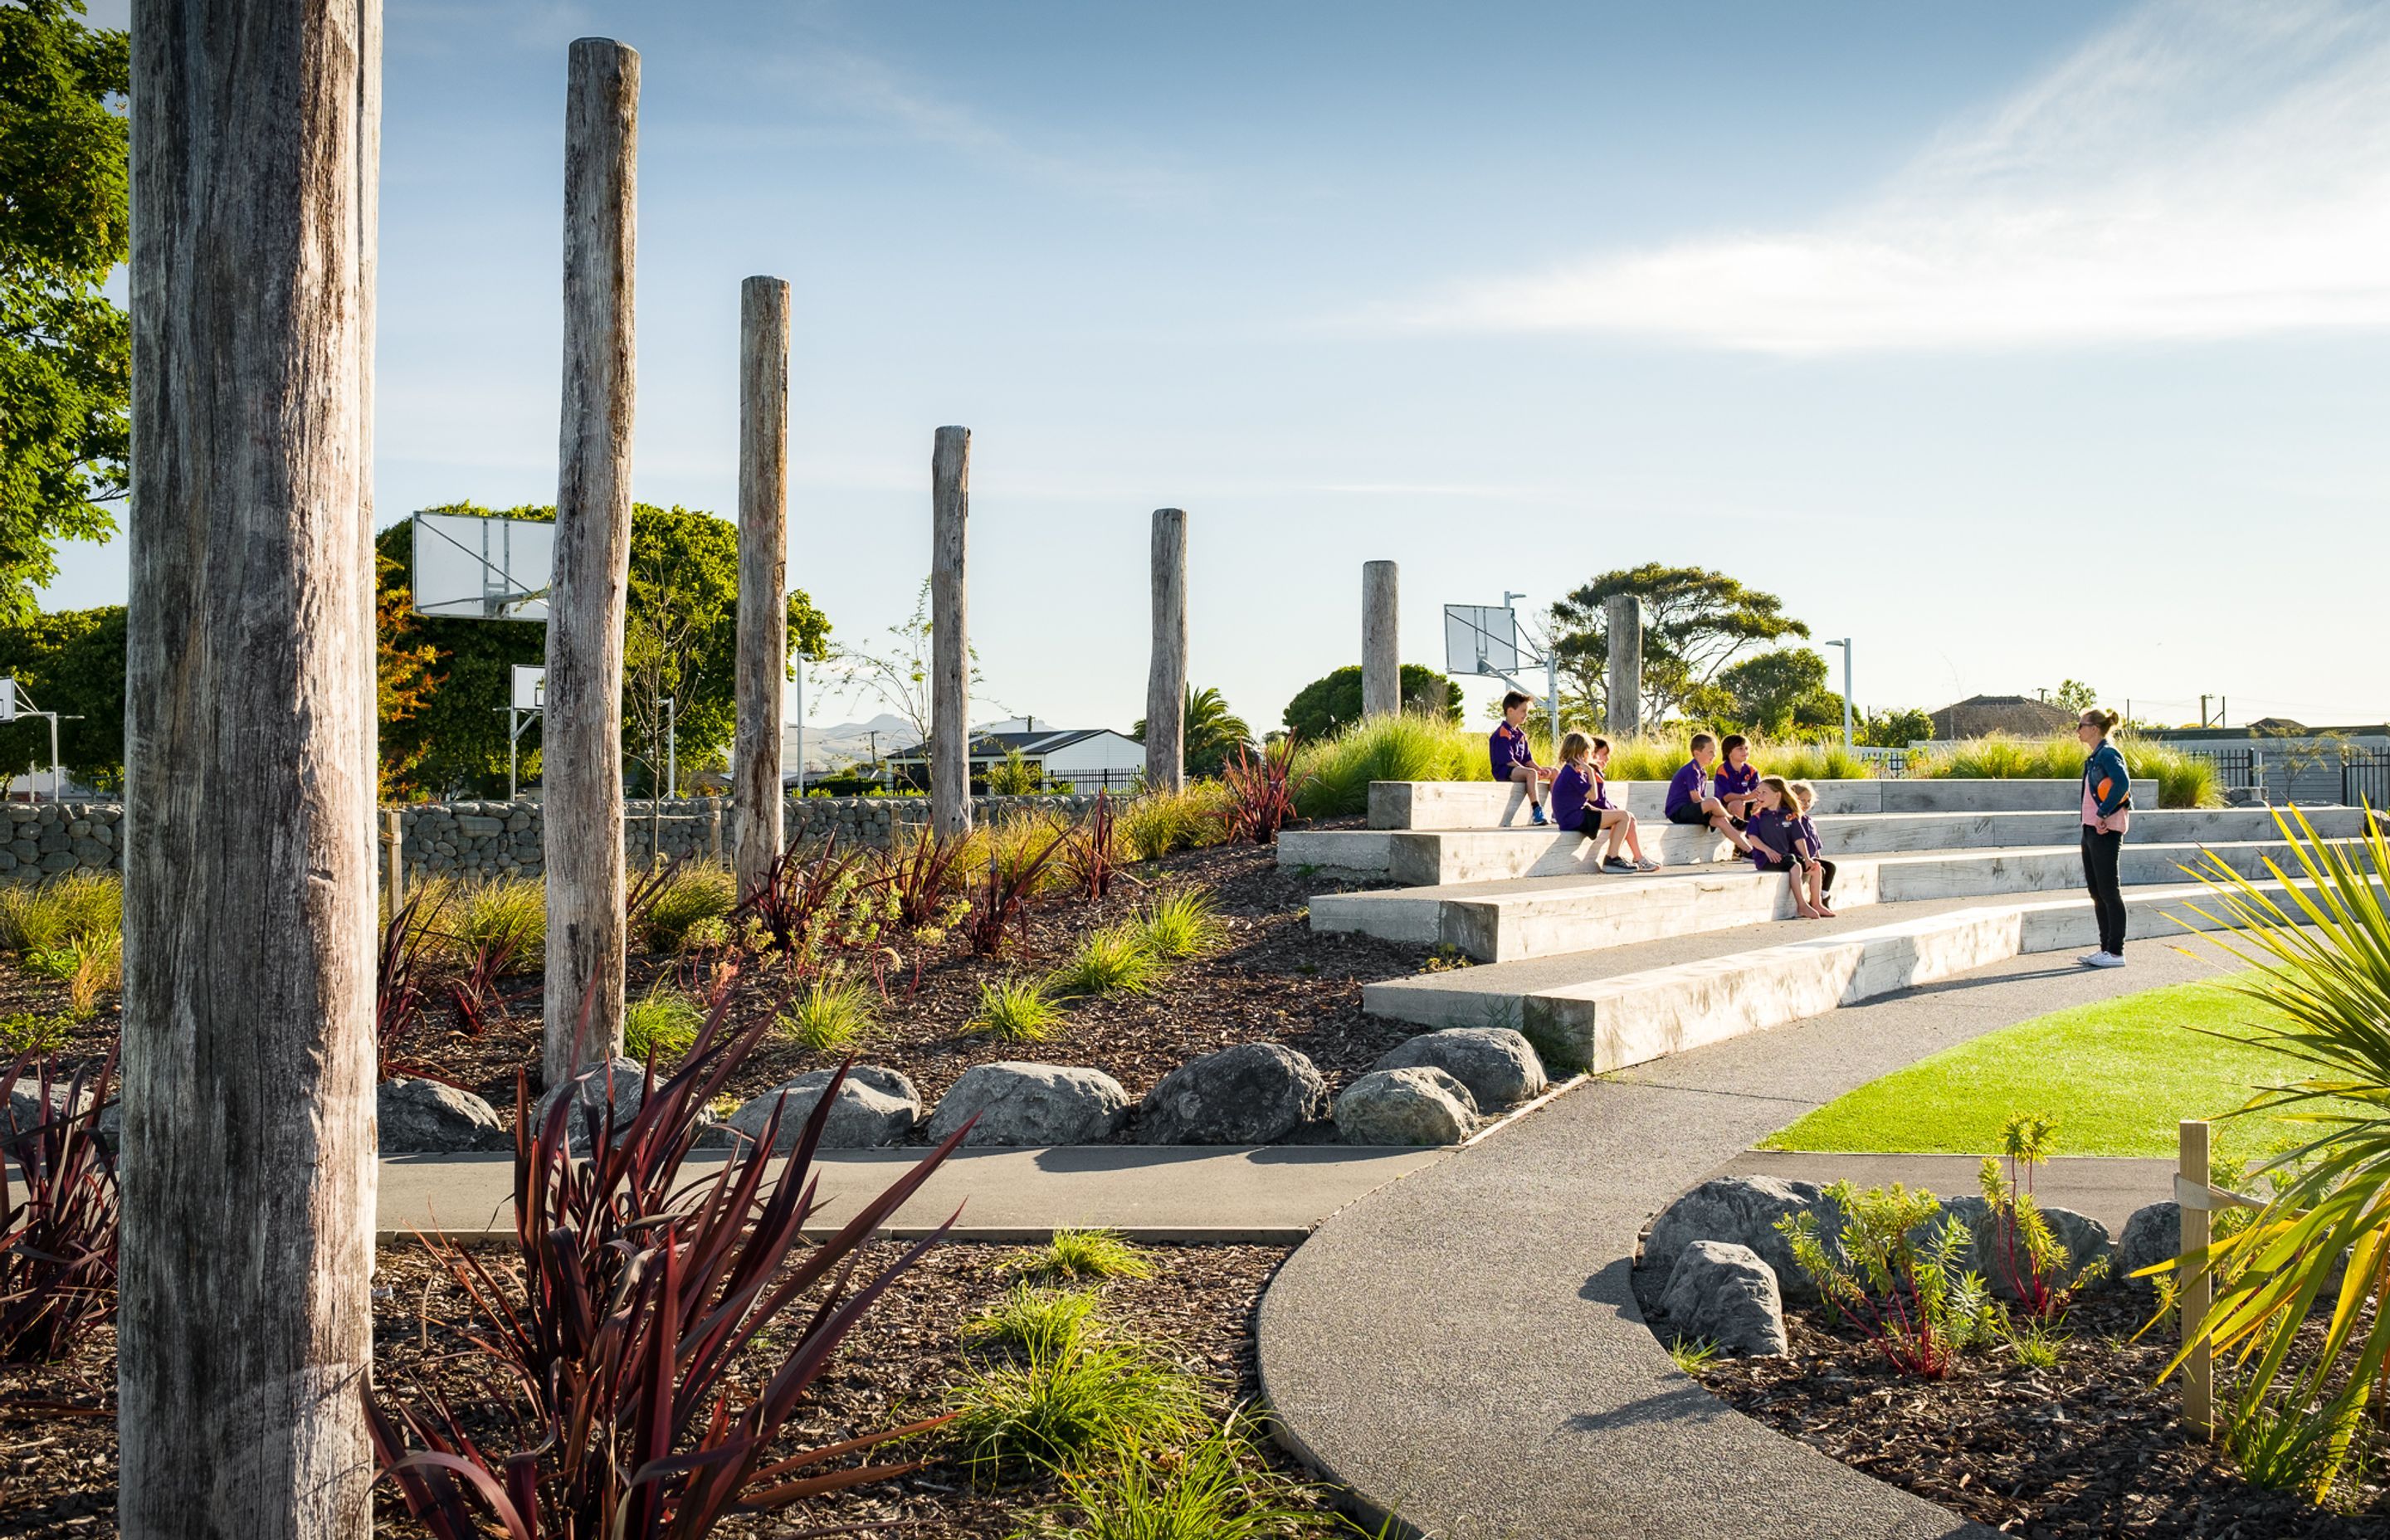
{"x":57,"y":1467}
{"x":2092,"y":1447}
{"x":1275,"y":981}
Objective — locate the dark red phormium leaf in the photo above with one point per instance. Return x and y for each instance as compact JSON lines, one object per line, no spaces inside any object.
{"x":1261,"y":791}
{"x":57,"y":1240}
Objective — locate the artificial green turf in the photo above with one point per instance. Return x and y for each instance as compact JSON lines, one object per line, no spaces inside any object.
{"x":2117,"y":1075}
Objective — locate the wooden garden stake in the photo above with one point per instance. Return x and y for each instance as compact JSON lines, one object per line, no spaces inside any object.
{"x":763,"y":574}
{"x":1166,"y":690}
{"x":950,"y":808}
{"x":2195,"y":1290}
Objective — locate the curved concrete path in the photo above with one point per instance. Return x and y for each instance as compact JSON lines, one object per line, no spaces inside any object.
{"x":1463,"y":1348}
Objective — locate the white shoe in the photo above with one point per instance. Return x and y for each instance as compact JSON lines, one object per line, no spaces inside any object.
{"x":2104,"y":959}
{"x":2086,"y":959}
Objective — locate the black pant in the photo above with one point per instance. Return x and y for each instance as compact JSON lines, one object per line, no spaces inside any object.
{"x":1785,"y":864}
{"x":2099,"y":853}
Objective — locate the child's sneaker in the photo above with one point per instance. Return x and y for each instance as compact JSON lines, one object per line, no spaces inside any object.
{"x":1617,"y":864}
{"x":1539,"y":820}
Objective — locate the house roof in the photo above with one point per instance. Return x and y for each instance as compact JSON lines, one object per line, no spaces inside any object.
{"x":1981,"y":715}
{"x":1031,"y":745}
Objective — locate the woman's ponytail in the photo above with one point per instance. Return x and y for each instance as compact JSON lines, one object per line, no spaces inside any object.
{"x":2104,"y":721}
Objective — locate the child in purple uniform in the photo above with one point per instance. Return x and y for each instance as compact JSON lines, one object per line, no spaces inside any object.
{"x":1512,"y":760}
{"x":1581,"y":804}
{"x":1774,"y":833}
{"x":1691,"y":800}
{"x":1737,"y":785}
{"x":1809,"y":848}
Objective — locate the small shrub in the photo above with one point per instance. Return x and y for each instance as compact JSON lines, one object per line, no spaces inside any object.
{"x":1013,"y":775}
{"x":1035,"y":1321}
{"x":1076,"y":1255}
{"x":811,"y":902}
{"x":1116,"y":957}
{"x":1213,"y":1489}
{"x":30,"y":1033}
{"x":50,"y":915}
{"x":1183,"y":925}
{"x":832,"y":1015}
{"x":1016,"y":1010}
{"x":1917,"y":1303}
{"x":689,"y":907}
{"x":2027,"y":1253}
{"x":663,"y":1025}
{"x":1053,"y":1411}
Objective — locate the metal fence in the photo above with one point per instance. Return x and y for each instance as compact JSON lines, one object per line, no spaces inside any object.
{"x":2236,"y":769}
{"x":2365,"y":777}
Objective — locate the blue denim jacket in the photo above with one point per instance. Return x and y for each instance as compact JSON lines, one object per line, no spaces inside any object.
{"x":2106,"y":778}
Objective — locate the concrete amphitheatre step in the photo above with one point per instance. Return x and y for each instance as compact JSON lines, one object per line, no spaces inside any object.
{"x":1487,"y":804}
{"x":1607,"y":1010}
{"x":1547,"y":916}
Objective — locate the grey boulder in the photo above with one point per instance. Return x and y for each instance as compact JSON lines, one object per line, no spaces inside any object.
{"x":430,"y":1117}
{"x":2152,"y":1234}
{"x":26,"y":1112}
{"x":874,"y":1107}
{"x":1412,"y":1106}
{"x":628,"y":1078}
{"x":2084,"y":1238}
{"x":1742,"y":1210}
{"x":1497,"y":1065}
{"x":1724,"y":1293}
{"x":1031,"y":1104}
{"x":1255,"y":1093}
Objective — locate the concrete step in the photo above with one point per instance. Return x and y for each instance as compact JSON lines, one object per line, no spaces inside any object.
{"x":1604,"y":1010}
{"x":1489,"y":804}
{"x":1545,"y":916}
{"x":1438,"y":857}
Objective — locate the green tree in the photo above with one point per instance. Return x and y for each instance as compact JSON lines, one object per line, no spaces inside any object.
{"x":681,"y":629}
{"x":1889,"y":729}
{"x":2075,"y":696}
{"x":70,"y":662}
{"x":1780,"y":692}
{"x":1212,"y":732}
{"x":1695,"y":624}
{"x":1327,"y":705}
{"x":65,"y":348}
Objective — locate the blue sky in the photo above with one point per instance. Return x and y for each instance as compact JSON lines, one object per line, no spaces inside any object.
{"x":2017,"y":342}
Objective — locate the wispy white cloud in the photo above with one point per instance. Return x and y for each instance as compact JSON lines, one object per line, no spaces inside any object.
{"x":2201,"y":170}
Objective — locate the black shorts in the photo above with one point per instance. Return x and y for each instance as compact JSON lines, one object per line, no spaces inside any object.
{"x":1694,"y":816}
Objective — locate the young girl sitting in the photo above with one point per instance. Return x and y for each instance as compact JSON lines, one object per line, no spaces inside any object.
{"x":1774,"y":832}
{"x":1581,"y":804}
{"x":1809,"y":848}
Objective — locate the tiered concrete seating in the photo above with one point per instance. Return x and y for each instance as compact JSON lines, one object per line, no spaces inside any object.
{"x":1936,"y":878}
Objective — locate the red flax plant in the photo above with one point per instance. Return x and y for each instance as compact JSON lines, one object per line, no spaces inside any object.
{"x":1261,"y":791}
{"x":58,"y":1231}
{"x":1092,"y":854}
{"x":399,"y":992}
{"x":922,"y":871}
{"x":1015,"y":867}
{"x":640,"y":1294}
{"x":805,"y":897}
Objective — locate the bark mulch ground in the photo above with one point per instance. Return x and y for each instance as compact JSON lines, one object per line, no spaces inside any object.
{"x":1275,"y":981}
{"x":57,"y":1467}
{"x":2092,"y":1447}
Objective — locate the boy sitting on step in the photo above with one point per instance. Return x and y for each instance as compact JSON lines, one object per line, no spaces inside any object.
{"x":1581,"y":803}
{"x":1736,"y":783}
{"x":1513,"y":761}
{"x":1692,"y":798}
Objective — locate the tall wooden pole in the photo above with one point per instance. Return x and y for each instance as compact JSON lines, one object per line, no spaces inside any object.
{"x":1623,"y":687}
{"x":1382,"y":659}
{"x":244,"y":1329}
{"x":1165,"y":687}
{"x":2194,"y":1285}
{"x":582,"y":747}
{"x":949,"y":634}
{"x":763,"y":574}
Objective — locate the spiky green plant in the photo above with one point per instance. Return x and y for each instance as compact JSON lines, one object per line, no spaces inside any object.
{"x":1035,"y":1320}
{"x":1917,"y":1302}
{"x":1016,"y":1010}
{"x":1076,"y":1255}
{"x":507,"y":912}
{"x":665,"y":1022}
{"x":1183,"y":925}
{"x":1213,"y":1489}
{"x":691,"y":908}
{"x":1692,"y":1355}
{"x":1405,"y":748}
{"x":1154,"y":824}
{"x":831,"y":1014}
{"x":1113,"y":958}
{"x":2294,"y":1449}
{"x":51,"y":915}
{"x":1053,"y":1411}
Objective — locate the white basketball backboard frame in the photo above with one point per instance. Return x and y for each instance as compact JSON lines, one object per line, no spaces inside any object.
{"x":8,"y":700}
{"x":530,"y":689}
{"x":1481,"y":639}
{"x":481,"y":567}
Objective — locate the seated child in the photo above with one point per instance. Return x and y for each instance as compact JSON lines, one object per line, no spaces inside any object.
{"x":1737,"y":785}
{"x":1810,"y":848}
{"x":1690,"y":801}
{"x":1513,"y":761}
{"x":1775,"y":832}
{"x":1581,"y":804}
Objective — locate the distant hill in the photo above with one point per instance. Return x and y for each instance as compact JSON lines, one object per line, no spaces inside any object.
{"x":839,"y":743}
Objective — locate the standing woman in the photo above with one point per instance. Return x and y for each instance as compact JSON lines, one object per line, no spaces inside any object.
{"x":2107,"y":812}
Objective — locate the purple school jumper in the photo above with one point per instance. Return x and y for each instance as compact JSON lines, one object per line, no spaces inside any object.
{"x":1508,"y":747}
{"x":1685,"y":789}
{"x":1771,"y":835}
{"x":1736,"y":783}
{"x":1578,"y":801}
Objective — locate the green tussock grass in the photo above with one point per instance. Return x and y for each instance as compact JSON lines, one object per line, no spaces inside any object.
{"x":692,"y":908}
{"x":833,"y":1015}
{"x":1406,"y":748}
{"x":1075,"y":1254}
{"x":1182,"y":926}
{"x":2183,"y":781}
{"x":664,"y":1021}
{"x":50,"y":916}
{"x":1035,"y":1321}
{"x":1016,"y":1010}
{"x":1213,"y":1489}
{"x":1115,"y":959}
{"x":471,"y":915}
{"x":1154,"y":824}
{"x":2117,"y":1075}
{"x":1054,"y":1410}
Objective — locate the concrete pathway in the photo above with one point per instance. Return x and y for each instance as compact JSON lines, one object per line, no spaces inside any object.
{"x":1463,"y":1348}
{"x":1274,"y":1195}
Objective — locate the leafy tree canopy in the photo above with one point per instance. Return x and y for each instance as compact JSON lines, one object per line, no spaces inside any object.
{"x":1212,"y":732}
{"x":1890,"y":729}
{"x":2075,"y":696}
{"x":1695,"y":624}
{"x":65,"y":348}
{"x":70,"y":662}
{"x":681,"y":639}
{"x":1779,"y":693}
{"x":1327,"y":706}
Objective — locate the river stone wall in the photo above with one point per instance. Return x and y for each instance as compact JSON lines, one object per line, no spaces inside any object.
{"x":45,"y":838}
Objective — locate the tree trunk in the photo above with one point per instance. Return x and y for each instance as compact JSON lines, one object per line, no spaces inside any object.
{"x":949,"y":634}
{"x":1622,"y":688}
{"x":244,"y":1329}
{"x":1382,"y":666}
{"x":1166,"y":690}
{"x":582,"y":831}
{"x":763,"y":572}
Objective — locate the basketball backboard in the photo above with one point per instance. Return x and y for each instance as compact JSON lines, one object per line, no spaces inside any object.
{"x":467,"y":567}
{"x":8,"y":700}
{"x":530,"y":689}
{"x":1481,"y":639}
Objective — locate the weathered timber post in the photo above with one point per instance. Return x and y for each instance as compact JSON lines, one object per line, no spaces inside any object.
{"x":1623,"y":621}
{"x":763,"y":574}
{"x":2195,"y":1284}
{"x":950,"y":808}
{"x":244,"y":1329}
{"x":582,"y":830}
{"x":1382,"y":658}
{"x":1165,"y":688}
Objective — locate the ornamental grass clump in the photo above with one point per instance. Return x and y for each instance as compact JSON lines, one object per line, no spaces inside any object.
{"x":1051,"y":1410}
{"x":1035,"y":1320}
{"x":1216,"y":1488}
{"x":499,"y":926}
{"x":1016,"y":1010}
{"x":1337,"y":772}
{"x":1183,"y":925}
{"x":2184,"y":780}
{"x":1076,"y":1255}
{"x":58,"y":1227}
{"x":663,"y":1025}
{"x":51,"y":915}
{"x":831,"y":1014}
{"x":1918,"y":1303}
{"x":1114,"y":960}
{"x":689,"y":906}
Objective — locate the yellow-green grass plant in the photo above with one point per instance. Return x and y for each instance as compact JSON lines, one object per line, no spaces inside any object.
{"x":1033,"y":1320}
{"x":1016,"y":1010}
{"x":1115,"y":959}
{"x":1407,"y":747}
{"x":1076,"y":1255}
{"x":1183,"y":925}
{"x":663,"y":1021}
{"x":1155,"y":823}
{"x":469,"y":913}
{"x":1054,"y":1410}
{"x":2184,"y":780}
{"x":2324,"y":1232}
{"x":50,"y":915}
{"x":832,"y":1014}
{"x":694,"y":904}
{"x":1216,"y":1488}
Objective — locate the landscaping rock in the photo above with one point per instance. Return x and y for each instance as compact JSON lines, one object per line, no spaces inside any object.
{"x":2152,"y":1234}
{"x":629,"y":1081}
{"x":25,"y":1109}
{"x":1742,"y":1210}
{"x":1415,"y":1105}
{"x":1255,"y":1093}
{"x":1031,"y":1104}
{"x":430,"y":1117}
{"x":1725,"y":1293}
{"x":2086,"y":1241}
{"x":1497,"y":1064}
{"x":875,"y":1107}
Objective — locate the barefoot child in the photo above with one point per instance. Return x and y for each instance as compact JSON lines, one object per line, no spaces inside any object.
{"x":1809,"y":848}
{"x":1581,"y":804}
{"x":1738,"y":779}
{"x":1691,"y":800}
{"x":1775,"y":832}
{"x":1513,"y":761}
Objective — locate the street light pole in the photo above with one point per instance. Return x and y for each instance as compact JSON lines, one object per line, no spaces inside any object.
{"x":1845,"y":645}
